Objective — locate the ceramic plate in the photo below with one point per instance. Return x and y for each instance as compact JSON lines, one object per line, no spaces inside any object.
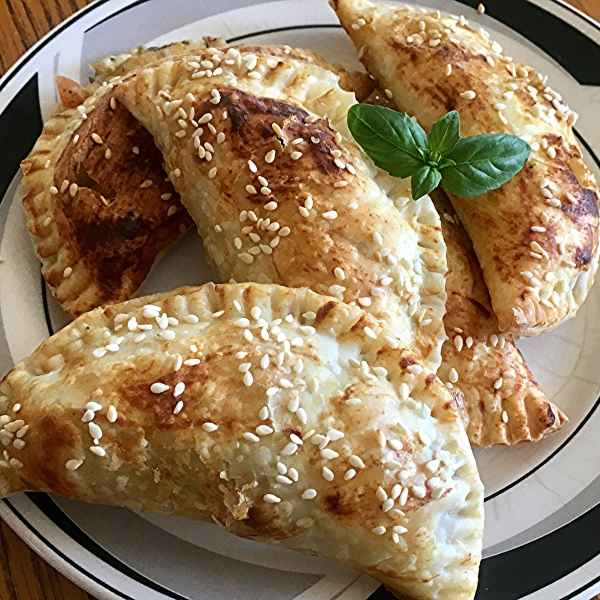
{"x":542,"y":536}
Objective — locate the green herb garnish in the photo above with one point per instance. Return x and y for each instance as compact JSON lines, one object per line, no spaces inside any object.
{"x":465,"y":166}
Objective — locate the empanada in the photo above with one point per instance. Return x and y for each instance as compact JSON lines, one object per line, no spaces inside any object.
{"x":99,"y":209}
{"x":536,"y":237}
{"x":504,"y":402}
{"x":280,"y":193}
{"x":287,"y":417}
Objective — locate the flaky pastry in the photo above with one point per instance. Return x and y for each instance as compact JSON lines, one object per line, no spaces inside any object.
{"x":287,"y":417}
{"x":259,"y":151}
{"x":536,"y":237}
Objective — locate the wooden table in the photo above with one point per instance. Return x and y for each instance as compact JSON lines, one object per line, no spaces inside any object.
{"x":23,"y":575}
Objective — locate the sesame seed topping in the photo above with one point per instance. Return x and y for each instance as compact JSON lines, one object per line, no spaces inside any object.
{"x":419,"y":491}
{"x":415,"y":369}
{"x":289,"y":449}
{"x":504,"y":416}
{"x":271,"y":499}
{"x":158,"y":388}
{"x":248,"y":379}
{"x":270,"y":205}
{"x":95,"y":431}
{"x":330,"y":215}
{"x":329,"y":454}
{"x":327,"y":474}
{"x":309,"y":494}
{"x":251,"y":437}
{"x":370,"y":333}
{"x":97,"y":138}
{"x":380,"y":530}
{"x":356,"y":462}
{"x":179,"y":389}
{"x":74,"y":463}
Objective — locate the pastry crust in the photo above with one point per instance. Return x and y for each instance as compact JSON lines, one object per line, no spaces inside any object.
{"x":238,"y":439}
{"x":536,"y":237}
{"x":99,"y":210}
{"x":358,"y":82}
{"x":504,"y":402}
{"x":281,"y":194}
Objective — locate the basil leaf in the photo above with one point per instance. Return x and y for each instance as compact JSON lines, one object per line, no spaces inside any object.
{"x":393,"y":140}
{"x":445,"y":134}
{"x":484,"y":163}
{"x":424,"y":180}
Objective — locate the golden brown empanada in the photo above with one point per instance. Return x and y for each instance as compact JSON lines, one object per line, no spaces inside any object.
{"x":284,"y":416}
{"x":536,"y":237}
{"x":505,"y":403}
{"x":261,"y":155}
{"x":99,"y":209}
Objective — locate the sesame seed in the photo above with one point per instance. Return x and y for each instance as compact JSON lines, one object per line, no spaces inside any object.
{"x":179,"y":389}
{"x":158,"y":388}
{"x":303,"y":211}
{"x":270,"y":205}
{"x":270,"y":156}
{"x":289,"y":449}
{"x":381,"y":494}
{"x":251,"y":437}
{"x":97,"y":138}
{"x":327,"y":474}
{"x":356,"y":462}
{"x":453,"y":375}
{"x":330,"y":215}
{"x":551,"y":152}
{"x":209,"y":427}
{"x":504,"y":416}
{"x":205,"y":118}
{"x":265,"y":190}
{"x":415,"y":369}
{"x":74,"y":463}
{"x":366,"y":301}
{"x":571,"y":198}
{"x":95,"y":431}
{"x":468,"y":95}
{"x":329,"y":454}
{"x":212,"y":173}
{"x":73,"y":188}
{"x":295,"y":155}
{"x":458,"y":343}
{"x":271,"y":499}
{"x":380,"y":530}
{"x":419,"y":491}
{"x":248,"y":379}
{"x":309,"y":494}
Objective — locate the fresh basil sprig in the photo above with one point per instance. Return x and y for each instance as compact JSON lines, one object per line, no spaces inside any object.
{"x":465,"y":166}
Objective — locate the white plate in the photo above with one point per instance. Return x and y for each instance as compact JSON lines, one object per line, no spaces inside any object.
{"x":542,"y":538}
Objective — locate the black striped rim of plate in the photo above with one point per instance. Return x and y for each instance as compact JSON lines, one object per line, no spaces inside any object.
{"x":506,"y":576}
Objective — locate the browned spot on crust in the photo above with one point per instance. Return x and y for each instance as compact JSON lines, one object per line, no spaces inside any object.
{"x":336,"y":505}
{"x":430,"y":379}
{"x":324,"y":310}
{"x":406,"y":361}
{"x":51,"y":433}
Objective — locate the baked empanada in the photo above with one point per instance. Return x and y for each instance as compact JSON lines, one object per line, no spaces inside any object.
{"x":287,"y":417}
{"x":281,"y":194}
{"x":536,"y":237}
{"x":99,"y":209}
{"x":504,"y":402}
